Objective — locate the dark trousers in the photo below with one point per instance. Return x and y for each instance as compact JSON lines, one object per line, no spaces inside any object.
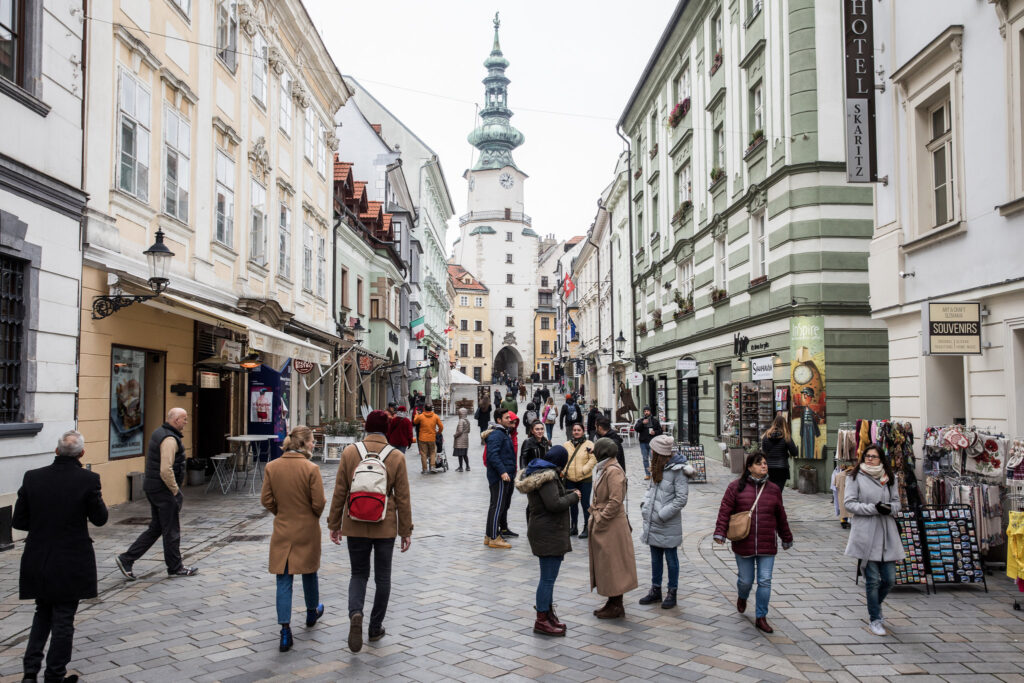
{"x":778,"y":476}
{"x":56,"y":621}
{"x":359,"y":550}
{"x":584,"y":487}
{"x":501,"y":496}
{"x":506,"y":504}
{"x":164,"y":510}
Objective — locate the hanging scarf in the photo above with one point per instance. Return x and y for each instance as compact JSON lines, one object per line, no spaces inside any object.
{"x":877,"y":472}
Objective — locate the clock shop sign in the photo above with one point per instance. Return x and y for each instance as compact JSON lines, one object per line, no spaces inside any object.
{"x":952,"y":328}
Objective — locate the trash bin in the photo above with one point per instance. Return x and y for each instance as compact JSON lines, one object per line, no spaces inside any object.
{"x":808,"y":479}
{"x":135,"y":485}
{"x":737,"y":459}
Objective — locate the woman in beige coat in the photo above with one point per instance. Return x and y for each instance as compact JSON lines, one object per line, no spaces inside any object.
{"x":612,"y":563}
{"x":294,"y":492}
{"x":578,"y":474}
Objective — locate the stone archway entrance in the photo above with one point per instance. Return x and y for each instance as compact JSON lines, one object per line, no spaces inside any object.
{"x":508,"y":361}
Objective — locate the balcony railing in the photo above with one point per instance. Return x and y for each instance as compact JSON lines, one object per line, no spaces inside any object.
{"x":517,"y":216}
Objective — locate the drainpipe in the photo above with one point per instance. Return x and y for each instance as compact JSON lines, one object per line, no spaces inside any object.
{"x":629,"y":208}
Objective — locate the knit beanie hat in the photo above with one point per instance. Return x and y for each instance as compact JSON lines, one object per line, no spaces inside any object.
{"x":662,"y":444}
{"x":377,"y":421}
{"x":605,"y":448}
{"x":557,"y":456}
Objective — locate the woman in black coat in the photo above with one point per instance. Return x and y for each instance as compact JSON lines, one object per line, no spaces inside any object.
{"x":535,"y":446}
{"x":483,"y":416}
{"x":548,"y":529}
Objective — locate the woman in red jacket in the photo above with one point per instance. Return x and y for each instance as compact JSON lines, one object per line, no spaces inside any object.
{"x":753,"y":491}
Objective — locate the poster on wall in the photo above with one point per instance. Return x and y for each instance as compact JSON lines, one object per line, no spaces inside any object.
{"x":661,"y":397}
{"x":261,"y":404}
{"x":127,"y":401}
{"x":807,"y":385}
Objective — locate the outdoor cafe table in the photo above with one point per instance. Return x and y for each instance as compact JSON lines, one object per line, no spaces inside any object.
{"x":249,"y":447}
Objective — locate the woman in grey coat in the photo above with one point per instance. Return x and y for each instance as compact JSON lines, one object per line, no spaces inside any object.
{"x":460,"y":444}
{"x":662,"y":512}
{"x":872,"y":498}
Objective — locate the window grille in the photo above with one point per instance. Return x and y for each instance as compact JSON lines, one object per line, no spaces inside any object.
{"x":12,"y":336}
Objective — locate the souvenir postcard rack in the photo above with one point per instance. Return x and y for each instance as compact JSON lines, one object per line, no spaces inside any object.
{"x":912,"y":570}
{"x":695,"y":456}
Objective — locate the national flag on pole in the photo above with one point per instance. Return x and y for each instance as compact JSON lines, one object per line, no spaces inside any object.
{"x":419,"y":328}
{"x":567,"y":286}
{"x":447,"y":330}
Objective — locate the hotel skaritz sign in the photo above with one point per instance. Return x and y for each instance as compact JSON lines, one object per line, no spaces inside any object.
{"x":952,"y":328}
{"x":859,"y":62}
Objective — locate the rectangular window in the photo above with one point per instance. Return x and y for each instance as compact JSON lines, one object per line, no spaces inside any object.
{"x":681,"y":87}
{"x":478,"y":350}
{"x":544,"y":299}
{"x":344,"y":287}
{"x":285,"y":106}
{"x":374,"y":308}
{"x":478,"y":326}
{"x":684,"y":277}
{"x":12,"y":337}
{"x":758,"y":246}
{"x":719,"y":150}
{"x":508,"y":279}
{"x":654,"y":130}
{"x":685,"y":184}
{"x":259,"y":68}
{"x":307,"y":266}
{"x":308,"y":134}
{"x":508,"y":237}
{"x":545,"y":323}
{"x":133,"y":166}
{"x":721,"y":264}
{"x":463,"y":300}
{"x":258,"y":227}
{"x":639,"y":228}
{"x":654,"y":216}
{"x":185,"y":6}
{"x":359,"y":295}
{"x":508,"y":321}
{"x":464,"y":325}
{"x":227,"y":34}
{"x":225,"y":209}
{"x":12,"y":41}
{"x":544,"y":281}
{"x":756,"y":111}
{"x":508,"y":302}
{"x":321,"y":265}
{"x":717,"y":33}
{"x":508,"y":258}
{"x":321,"y":149}
{"x":177,"y":142}
{"x":545,"y":347}
{"x":284,"y":242}
{"x":940,"y":148}
{"x":464,"y":350}
{"x":479,"y":302}
{"x":478,"y":373}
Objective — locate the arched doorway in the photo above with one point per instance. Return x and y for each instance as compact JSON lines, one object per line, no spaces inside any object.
{"x":508,"y":361}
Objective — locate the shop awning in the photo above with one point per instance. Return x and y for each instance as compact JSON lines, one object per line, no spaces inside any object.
{"x":261,"y":337}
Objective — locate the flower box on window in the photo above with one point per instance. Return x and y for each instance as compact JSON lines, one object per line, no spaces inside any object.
{"x":716,"y":63}
{"x":756,"y":140}
{"x":760,"y":280}
{"x":641,"y":328}
{"x":654,"y":151}
{"x":679,"y":112}
{"x":717,"y":173}
{"x":656,"y":317}
{"x":718,"y":295}
{"x":639,"y":172}
{"x":681,"y":211}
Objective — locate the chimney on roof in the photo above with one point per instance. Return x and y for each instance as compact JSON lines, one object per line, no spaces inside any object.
{"x":376,"y":128}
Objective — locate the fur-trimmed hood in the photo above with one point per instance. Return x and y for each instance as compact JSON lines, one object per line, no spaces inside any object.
{"x":527,"y":483}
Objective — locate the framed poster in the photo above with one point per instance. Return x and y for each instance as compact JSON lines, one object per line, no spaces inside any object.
{"x":127,"y":401}
{"x":261,"y":404}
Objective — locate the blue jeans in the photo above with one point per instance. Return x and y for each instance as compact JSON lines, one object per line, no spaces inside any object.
{"x":745,"y":580}
{"x":584,"y":487}
{"x":879,"y":578}
{"x":645,"y":451}
{"x":671,"y":556}
{"x":310,"y":590}
{"x":549,"y":427}
{"x":549,"y":567}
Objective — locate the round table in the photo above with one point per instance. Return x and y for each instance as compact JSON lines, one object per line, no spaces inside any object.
{"x":249,"y":447}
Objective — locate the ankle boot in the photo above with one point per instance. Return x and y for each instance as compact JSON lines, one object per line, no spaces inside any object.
{"x":670,"y":599}
{"x":613,"y":610}
{"x":553,"y":618}
{"x":583,"y":534}
{"x":654,"y":595}
{"x":286,"y":638}
{"x":544,"y":626}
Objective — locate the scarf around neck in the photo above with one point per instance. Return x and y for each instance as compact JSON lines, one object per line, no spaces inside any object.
{"x":876,"y":472}
{"x":757,"y":482}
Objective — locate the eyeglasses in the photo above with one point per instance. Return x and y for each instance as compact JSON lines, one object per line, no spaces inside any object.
{"x":872,"y":456}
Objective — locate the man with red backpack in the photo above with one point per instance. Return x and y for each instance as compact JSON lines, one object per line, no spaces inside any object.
{"x":371,"y":506}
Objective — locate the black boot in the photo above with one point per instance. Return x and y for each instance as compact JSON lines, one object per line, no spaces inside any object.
{"x":573,"y":531}
{"x":583,"y":534}
{"x":653,"y":596}
{"x":670,"y":599}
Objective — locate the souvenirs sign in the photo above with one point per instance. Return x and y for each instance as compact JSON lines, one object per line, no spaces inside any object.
{"x":952,"y":328}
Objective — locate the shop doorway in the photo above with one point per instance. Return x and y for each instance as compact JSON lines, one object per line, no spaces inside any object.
{"x":212,"y":413}
{"x":687,"y":409}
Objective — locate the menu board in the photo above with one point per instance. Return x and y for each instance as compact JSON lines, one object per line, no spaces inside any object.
{"x":951,"y":543}
{"x":695,"y":456}
{"x":912,"y":569}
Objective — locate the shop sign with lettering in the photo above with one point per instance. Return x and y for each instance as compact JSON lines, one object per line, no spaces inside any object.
{"x":634,"y":379}
{"x":952,"y":328}
{"x":859,"y":60}
{"x":303,"y":367}
{"x":762,"y":368}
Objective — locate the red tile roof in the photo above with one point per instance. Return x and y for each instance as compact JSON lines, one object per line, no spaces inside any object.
{"x":372,"y":211}
{"x":342,"y":169}
{"x":358,"y":187}
{"x":387,"y":222}
{"x":572,"y":241}
{"x":458,"y":274}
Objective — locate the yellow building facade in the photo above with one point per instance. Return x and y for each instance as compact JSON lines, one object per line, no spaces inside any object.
{"x":545,"y":338}
{"x":472,"y":339}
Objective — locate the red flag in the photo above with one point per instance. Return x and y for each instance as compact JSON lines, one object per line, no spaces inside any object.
{"x":447,"y":330}
{"x":567,"y":286}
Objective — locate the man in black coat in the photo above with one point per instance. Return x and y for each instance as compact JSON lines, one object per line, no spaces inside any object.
{"x":58,"y":567}
{"x":647,"y":427}
{"x":603,"y":429}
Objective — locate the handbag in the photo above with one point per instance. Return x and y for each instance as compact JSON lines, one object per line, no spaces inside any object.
{"x":739,"y":523}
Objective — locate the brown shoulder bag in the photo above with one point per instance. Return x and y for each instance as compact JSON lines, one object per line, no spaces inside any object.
{"x":739,"y":523}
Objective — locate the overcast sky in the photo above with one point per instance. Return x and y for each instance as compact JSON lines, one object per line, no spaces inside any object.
{"x":573,"y":66}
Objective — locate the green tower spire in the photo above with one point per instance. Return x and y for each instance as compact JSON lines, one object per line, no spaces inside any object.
{"x":495,"y":137}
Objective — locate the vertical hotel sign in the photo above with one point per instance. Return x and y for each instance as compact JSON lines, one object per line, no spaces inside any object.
{"x":859,"y":61}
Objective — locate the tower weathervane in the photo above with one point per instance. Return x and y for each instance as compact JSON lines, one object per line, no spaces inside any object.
{"x":497,"y":22}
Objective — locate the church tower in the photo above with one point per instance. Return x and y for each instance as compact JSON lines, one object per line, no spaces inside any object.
{"x":497,"y":241}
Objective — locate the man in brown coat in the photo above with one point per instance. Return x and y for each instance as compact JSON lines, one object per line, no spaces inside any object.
{"x":367,"y":537}
{"x":612,"y":563}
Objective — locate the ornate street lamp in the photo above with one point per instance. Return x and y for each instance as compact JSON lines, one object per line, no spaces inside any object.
{"x":620,"y":344}
{"x":359,"y":332}
{"x":158,"y":256}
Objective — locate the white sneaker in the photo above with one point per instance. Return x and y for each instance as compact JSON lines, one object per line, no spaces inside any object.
{"x":878,"y":628}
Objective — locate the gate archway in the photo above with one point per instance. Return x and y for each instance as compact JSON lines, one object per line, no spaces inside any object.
{"x":509,"y":361}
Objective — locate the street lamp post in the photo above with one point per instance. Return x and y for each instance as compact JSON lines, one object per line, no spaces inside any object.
{"x":158,"y":257}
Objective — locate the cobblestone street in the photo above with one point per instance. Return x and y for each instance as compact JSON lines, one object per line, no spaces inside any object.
{"x":460,"y":611}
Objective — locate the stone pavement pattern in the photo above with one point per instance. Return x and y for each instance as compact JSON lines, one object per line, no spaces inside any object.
{"x":460,"y":611}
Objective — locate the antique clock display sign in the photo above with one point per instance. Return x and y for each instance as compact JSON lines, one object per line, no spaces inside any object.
{"x":807,"y":385}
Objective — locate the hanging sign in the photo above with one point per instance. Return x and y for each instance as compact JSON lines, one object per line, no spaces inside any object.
{"x":634,"y":379}
{"x":209,"y":380}
{"x":859,"y":59}
{"x":762,"y":368}
{"x":303,"y":367}
{"x":365,"y":363}
{"x":952,"y":328}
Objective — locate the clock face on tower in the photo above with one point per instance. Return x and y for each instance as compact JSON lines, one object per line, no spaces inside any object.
{"x":506,"y":180}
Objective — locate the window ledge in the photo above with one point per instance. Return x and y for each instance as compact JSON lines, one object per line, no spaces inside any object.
{"x":223,"y":250}
{"x":284,"y":279}
{"x":721,"y":302}
{"x":261,"y":268}
{"x":16,"y":429}
{"x":937,"y":235}
{"x":22,"y":96}
{"x":227,"y":67}
{"x":1011,"y":207}
{"x":757,"y":283}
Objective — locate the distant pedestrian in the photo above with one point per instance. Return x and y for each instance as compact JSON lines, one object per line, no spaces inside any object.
{"x":549,"y":415}
{"x":529,"y":417}
{"x":501,"y":467}
{"x":755,"y":553}
{"x":510,"y":403}
{"x":579,"y":474}
{"x":612,"y":563}
{"x":522,"y":391}
{"x":603,"y":429}
{"x":548,"y":529}
{"x":294,"y":493}
{"x":872,"y":498}
{"x":399,"y":430}
{"x":165,"y":473}
{"x":570,"y":414}
{"x":428,"y":425}
{"x":497,"y":398}
{"x":366,"y":538}
{"x":646,"y":428}
{"x":58,"y":565}
{"x":460,"y":442}
{"x":661,"y":512}
{"x":592,"y":415}
{"x":778,"y":448}
{"x":483,"y":416}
